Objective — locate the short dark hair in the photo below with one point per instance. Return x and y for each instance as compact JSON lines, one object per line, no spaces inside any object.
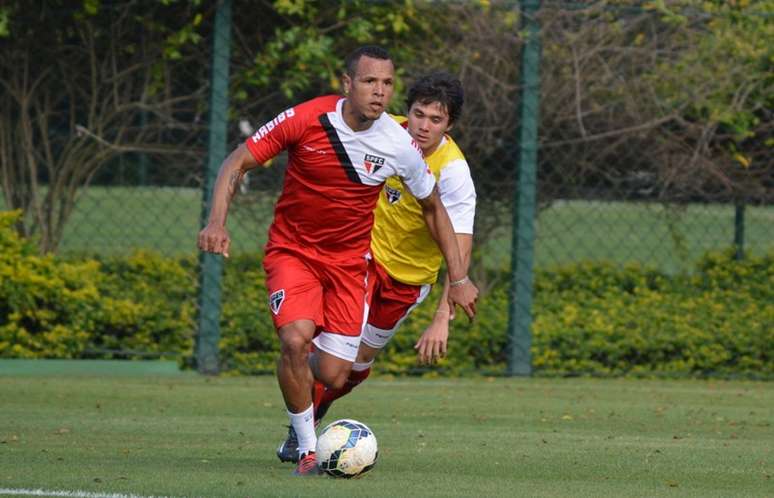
{"x":441,"y":87}
{"x":372,"y":51}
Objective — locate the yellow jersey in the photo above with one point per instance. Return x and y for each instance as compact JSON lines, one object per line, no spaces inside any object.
{"x":400,"y":240}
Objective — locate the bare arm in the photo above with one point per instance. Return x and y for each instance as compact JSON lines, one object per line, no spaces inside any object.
{"x":432,"y":345}
{"x":461,"y":291}
{"x":214,"y":237}
{"x":465,"y":243}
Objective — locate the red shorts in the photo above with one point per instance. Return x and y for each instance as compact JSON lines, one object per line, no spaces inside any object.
{"x":300,"y":287}
{"x":390,"y":303}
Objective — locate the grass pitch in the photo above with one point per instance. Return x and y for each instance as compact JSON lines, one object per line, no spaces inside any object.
{"x":187,"y":435}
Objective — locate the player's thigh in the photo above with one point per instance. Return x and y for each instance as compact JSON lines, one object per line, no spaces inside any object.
{"x":295,"y":289}
{"x":391,"y":304}
{"x":344,"y":308}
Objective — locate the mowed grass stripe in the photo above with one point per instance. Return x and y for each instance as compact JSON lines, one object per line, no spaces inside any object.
{"x":67,"y":494}
{"x":197,"y":436}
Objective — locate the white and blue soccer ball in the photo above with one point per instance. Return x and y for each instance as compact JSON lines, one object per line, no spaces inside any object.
{"x":346,"y":448}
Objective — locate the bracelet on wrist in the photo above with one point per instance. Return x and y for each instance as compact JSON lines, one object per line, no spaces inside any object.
{"x":464,"y":280}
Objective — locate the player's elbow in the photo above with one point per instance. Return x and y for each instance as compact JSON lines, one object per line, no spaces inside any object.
{"x":241,"y":159}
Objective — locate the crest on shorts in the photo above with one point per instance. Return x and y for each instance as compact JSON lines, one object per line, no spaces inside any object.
{"x":275,"y":300}
{"x":393,"y":195}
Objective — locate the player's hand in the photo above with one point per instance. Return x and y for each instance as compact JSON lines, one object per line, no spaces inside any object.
{"x":431,"y":347}
{"x":465,"y":296}
{"x":215,"y":239}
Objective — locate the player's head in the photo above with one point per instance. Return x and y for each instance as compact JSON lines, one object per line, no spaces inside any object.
{"x":368,"y":83}
{"x":434,"y":103}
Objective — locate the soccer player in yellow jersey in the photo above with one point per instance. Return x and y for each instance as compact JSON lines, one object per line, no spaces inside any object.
{"x":406,"y":259}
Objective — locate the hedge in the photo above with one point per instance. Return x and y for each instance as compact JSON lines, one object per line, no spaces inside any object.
{"x":589,"y":318}
{"x":52,"y":308}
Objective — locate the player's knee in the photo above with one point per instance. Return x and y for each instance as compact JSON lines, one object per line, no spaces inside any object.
{"x":338,"y":381}
{"x":296,"y":338}
{"x":294,"y":345}
{"x":334,"y":378}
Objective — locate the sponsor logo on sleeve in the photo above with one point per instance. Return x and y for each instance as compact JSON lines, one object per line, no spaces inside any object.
{"x":372,"y":163}
{"x":265,"y":129}
{"x":275,"y":301}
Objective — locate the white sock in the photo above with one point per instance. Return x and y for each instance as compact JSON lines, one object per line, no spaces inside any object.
{"x":359,"y":367}
{"x":303,"y":423}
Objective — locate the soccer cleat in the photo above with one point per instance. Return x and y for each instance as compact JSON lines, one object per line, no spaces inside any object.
{"x":288,"y":450}
{"x":307,"y":466}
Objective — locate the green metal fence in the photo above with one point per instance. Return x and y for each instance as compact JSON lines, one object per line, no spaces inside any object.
{"x":579,"y":148}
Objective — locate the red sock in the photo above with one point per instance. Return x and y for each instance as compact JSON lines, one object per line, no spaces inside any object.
{"x":354,"y":379}
{"x":318,"y":392}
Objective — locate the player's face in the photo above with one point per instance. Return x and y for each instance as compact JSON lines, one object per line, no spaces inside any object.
{"x":370,"y":90}
{"x":427,"y":123}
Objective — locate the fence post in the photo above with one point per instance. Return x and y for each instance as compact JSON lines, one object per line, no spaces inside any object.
{"x":523,"y":237}
{"x":739,"y":208}
{"x":211,"y":265}
{"x":142,"y":160}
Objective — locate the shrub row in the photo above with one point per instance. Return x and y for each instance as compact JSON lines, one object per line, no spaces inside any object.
{"x":589,"y":318}
{"x":50,"y":308}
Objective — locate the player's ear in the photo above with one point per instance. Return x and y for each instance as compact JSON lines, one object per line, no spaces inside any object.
{"x":346,"y":83}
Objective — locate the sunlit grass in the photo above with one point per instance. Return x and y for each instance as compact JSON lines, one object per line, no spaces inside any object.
{"x":194,"y":436}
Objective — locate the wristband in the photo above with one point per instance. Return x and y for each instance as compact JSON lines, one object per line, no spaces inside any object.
{"x":464,"y":280}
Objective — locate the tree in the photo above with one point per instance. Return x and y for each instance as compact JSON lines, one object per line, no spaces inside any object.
{"x":83,"y":83}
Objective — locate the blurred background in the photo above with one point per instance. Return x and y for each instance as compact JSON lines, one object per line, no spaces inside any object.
{"x":646,"y":234}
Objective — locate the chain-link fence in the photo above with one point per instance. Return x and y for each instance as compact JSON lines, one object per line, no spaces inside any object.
{"x":652,"y":138}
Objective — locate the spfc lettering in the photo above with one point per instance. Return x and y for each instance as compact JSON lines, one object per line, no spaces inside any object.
{"x":372,"y":163}
{"x":275,"y":300}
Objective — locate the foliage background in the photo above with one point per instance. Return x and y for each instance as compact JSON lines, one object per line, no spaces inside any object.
{"x":592,"y":318}
{"x":665,"y":104}
{"x":655,"y":148}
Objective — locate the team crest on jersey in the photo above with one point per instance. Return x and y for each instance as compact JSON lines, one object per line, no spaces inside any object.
{"x":373,"y":163}
{"x":275,"y":300}
{"x":393,"y":195}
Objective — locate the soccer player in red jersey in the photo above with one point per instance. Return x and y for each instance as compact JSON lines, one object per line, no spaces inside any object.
{"x":406,"y":261}
{"x":341,"y":151}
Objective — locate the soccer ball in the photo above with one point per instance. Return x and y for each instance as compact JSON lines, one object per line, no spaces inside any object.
{"x":346,"y":448}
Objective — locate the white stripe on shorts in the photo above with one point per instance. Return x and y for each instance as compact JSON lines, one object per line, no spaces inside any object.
{"x":378,"y":338}
{"x":340,"y":346}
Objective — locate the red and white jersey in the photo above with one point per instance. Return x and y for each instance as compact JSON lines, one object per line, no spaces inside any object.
{"x":334,"y":176}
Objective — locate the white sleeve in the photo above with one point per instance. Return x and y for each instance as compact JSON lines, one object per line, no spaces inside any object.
{"x":458,"y":195}
{"x":414,"y":171}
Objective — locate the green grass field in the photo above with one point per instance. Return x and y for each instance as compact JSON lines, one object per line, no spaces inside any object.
{"x":185,"y":435}
{"x":118,"y":220}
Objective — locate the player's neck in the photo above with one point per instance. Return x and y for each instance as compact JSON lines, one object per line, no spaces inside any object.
{"x":428,"y":151}
{"x":356,"y":122}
